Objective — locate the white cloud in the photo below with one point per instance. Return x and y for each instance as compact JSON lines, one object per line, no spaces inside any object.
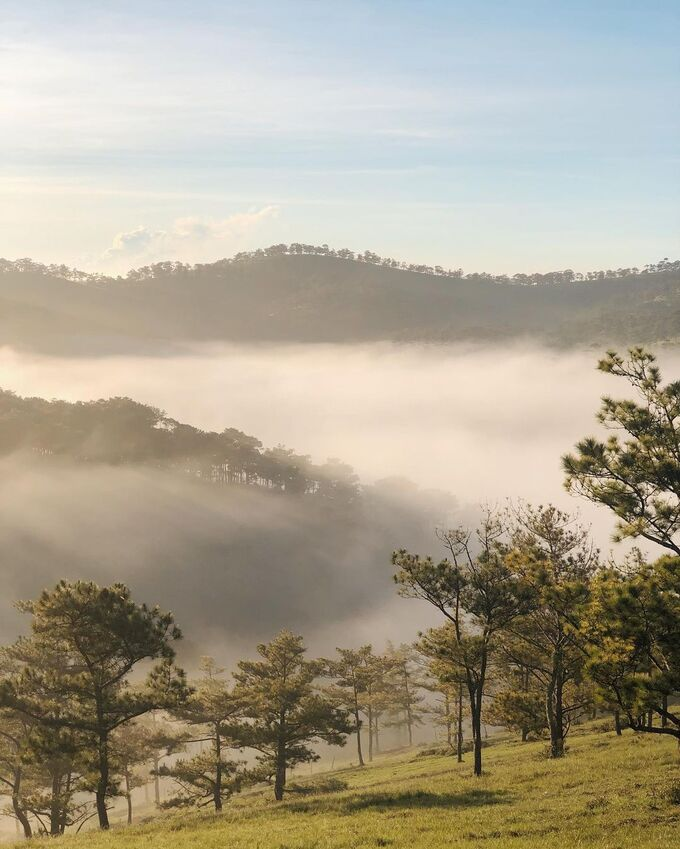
{"x":189,"y":239}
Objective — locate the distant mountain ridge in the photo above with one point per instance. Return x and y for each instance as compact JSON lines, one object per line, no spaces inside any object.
{"x":300,"y":293}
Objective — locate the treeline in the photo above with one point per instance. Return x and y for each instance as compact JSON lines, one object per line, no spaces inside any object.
{"x":536,"y":633}
{"x":371,"y":258}
{"x":169,"y":268}
{"x":73,"y":724}
{"x":120,"y":431}
{"x":300,"y":293}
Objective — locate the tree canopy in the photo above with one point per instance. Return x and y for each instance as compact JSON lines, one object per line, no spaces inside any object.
{"x":286,"y":711}
{"x":636,"y":471}
{"x":74,"y":667}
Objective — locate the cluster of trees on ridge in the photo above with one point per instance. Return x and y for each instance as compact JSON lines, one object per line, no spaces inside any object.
{"x":160,"y":269}
{"x":120,"y":431}
{"x":536,"y":631}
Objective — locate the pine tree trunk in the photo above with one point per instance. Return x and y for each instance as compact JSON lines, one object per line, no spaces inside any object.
{"x":55,"y":810}
{"x":280,"y":776}
{"x":217,"y":794}
{"x":370,"y":733}
{"x":555,"y":707}
{"x":156,"y":783}
{"x":459,"y":731}
{"x":476,"y":690}
{"x":19,"y":812}
{"x":65,"y":801}
{"x":103,"y":781}
{"x":357,"y":722}
{"x":477,"y":740}
{"x":128,"y":797}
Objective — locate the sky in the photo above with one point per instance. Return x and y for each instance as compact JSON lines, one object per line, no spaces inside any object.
{"x":497,"y":136}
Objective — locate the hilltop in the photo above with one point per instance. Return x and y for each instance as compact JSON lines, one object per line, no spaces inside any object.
{"x":288,"y":294}
{"x":608,"y":792}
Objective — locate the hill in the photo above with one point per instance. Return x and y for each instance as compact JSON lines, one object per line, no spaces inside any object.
{"x":608,"y":792}
{"x":119,"y":431}
{"x":248,"y":534}
{"x":283,"y":294}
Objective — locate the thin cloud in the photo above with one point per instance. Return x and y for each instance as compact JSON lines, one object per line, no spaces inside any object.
{"x":193,"y":237}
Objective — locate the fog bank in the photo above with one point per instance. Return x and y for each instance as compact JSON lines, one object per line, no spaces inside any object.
{"x":481,"y":423}
{"x":235,"y":564}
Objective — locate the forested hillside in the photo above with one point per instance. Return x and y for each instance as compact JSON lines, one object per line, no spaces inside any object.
{"x":307,"y":294}
{"x":122,"y":431}
{"x":213,"y":522}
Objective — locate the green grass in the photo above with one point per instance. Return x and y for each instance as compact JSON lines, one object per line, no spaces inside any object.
{"x":608,"y":792}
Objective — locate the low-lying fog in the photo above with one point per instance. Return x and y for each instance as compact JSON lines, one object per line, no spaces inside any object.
{"x":481,"y":423}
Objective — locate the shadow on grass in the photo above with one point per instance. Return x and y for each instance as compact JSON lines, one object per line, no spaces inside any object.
{"x":415,"y":799}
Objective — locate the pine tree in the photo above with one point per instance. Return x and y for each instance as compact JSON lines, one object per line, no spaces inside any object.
{"x":213,"y":714}
{"x":478,"y":595}
{"x":403,"y":685}
{"x":349,"y":686}
{"x":448,"y":680}
{"x":636,"y":472}
{"x":287,"y":712}
{"x":132,"y":746}
{"x":554,"y":559}
{"x":100,"y":634}
{"x":632,"y":633}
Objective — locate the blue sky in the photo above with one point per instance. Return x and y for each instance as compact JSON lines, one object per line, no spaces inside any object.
{"x":493,"y":136}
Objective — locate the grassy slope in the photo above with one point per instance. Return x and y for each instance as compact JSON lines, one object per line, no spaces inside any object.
{"x":607,"y":793}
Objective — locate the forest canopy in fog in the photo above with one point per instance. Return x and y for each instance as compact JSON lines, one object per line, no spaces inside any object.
{"x":120,"y":430}
{"x":211,"y":521}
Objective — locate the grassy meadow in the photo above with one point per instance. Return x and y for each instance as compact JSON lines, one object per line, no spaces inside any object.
{"x":608,"y":792}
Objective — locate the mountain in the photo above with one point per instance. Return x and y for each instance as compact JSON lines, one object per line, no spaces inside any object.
{"x":283,"y":294}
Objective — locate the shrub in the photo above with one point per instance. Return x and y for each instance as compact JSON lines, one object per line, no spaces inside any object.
{"x":329,"y":784}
